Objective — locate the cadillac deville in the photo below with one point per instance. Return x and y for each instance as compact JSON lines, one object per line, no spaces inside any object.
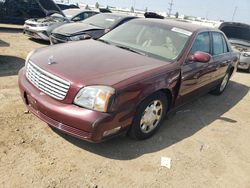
{"x":126,"y":81}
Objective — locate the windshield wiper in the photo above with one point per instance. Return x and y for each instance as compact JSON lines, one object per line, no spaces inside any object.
{"x":131,"y":50}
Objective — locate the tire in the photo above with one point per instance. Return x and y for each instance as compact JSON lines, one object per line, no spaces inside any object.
{"x":222,"y":86}
{"x":149,"y":116}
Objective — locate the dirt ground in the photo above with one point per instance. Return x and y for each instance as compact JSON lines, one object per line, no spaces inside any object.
{"x":207,"y":140}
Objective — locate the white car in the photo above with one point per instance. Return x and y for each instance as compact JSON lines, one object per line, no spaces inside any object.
{"x":41,"y":28}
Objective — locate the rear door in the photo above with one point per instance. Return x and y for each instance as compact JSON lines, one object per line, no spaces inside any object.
{"x":221,"y":55}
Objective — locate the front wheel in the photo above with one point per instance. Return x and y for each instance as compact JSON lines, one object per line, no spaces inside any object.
{"x":149,"y":116}
{"x":222,"y":86}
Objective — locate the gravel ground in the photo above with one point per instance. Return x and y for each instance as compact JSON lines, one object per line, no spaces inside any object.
{"x":207,"y":140}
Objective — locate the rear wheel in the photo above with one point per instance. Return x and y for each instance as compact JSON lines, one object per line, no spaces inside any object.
{"x":149,"y":116}
{"x":222,"y":86}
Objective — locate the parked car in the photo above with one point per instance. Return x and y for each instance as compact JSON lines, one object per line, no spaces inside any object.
{"x":42,"y":28}
{"x":4,"y":44}
{"x":239,"y":37}
{"x":94,"y":27}
{"x":153,"y":15}
{"x":127,"y":80}
{"x":17,"y":11}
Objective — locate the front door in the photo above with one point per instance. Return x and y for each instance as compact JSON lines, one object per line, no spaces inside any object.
{"x":196,"y":75}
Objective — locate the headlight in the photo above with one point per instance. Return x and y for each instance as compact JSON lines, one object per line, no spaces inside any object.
{"x":44,"y":25}
{"x":246,"y":55}
{"x":80,"y":37}
{"x":95,"y":97}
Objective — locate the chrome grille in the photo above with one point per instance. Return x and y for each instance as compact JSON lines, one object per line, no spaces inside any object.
{"x":47,"y":82}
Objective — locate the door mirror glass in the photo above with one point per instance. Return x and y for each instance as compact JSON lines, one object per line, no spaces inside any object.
{"x":200,"y":57}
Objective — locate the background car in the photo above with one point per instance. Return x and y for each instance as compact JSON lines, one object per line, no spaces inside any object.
{"x":17,"y":11}
{"x":126,"y":81}
{"x":239,"y":37}
{"x":42,"y":28}
{"x":153,"y":15}
{"x":93,"y":27}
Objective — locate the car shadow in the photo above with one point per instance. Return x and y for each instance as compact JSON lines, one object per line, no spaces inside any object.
{"x":10,"y":65}
{"x":187,"y":121}
{"x":243,"y":71}
{"x":44,"y":42}
{"x":10,"y":30}
{"x":4,"y":44}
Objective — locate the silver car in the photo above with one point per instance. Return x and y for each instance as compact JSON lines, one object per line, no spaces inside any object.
{"x":243,"y":47}
{"x":239,"y":37}
{"x":42,"y":27}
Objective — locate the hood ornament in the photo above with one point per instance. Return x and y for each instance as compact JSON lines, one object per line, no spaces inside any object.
{"x":51,"y":60}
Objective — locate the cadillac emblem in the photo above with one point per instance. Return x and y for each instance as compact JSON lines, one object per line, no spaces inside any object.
{"x":51,"y":60}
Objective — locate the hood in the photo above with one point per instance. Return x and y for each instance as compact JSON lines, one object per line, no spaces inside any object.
{"x":49,"y":7}
{"x":236,"y":31}
{"x":74,"y":28}
{"x":92,"y":62}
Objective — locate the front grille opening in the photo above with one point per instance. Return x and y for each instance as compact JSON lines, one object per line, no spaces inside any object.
{"x":47,"y":82}
{"x":25,"y":98}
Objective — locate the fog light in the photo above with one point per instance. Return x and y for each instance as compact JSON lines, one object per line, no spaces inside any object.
{"x":112,"y":131}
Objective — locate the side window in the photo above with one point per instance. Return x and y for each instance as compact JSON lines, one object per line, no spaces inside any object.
{"x":85,"y":15}
{"x":218,"y":45}
{"x":202,"y":43}
{"x":225,"y":47}
{"x":82,"y":16}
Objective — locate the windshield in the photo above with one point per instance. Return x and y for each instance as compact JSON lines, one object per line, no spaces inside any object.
{"x":152,"y":39}
{"x":103,"y":20}
{"x":70,"y":13}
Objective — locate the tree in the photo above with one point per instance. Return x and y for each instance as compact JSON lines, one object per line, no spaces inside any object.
{"x":87,"y":7}
{"x":132,"y":10}
{"x":146,"y":9}
{"x":97,"y":5}
{"x":177,"y":14}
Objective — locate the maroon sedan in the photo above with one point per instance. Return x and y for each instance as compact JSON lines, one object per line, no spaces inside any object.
{"x":126,"y":81}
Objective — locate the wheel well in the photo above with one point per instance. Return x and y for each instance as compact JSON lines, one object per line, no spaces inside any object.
{"x":168,"y":94}
{"x":231,"y":70}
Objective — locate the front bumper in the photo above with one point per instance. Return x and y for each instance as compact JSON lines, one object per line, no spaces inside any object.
{"x":244,"y":62}
{"x":36,"y":32}
{"x":244,"y":66}
{"x":79,"y":122}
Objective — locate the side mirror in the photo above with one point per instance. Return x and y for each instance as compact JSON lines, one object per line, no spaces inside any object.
{"x":202,"y":57}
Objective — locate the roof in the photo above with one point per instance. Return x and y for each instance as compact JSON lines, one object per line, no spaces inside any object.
{"x":183,"y":25}
{"x":120,"y":15}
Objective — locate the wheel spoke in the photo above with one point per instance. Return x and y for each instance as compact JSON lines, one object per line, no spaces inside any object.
{"x":151,"y":116}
